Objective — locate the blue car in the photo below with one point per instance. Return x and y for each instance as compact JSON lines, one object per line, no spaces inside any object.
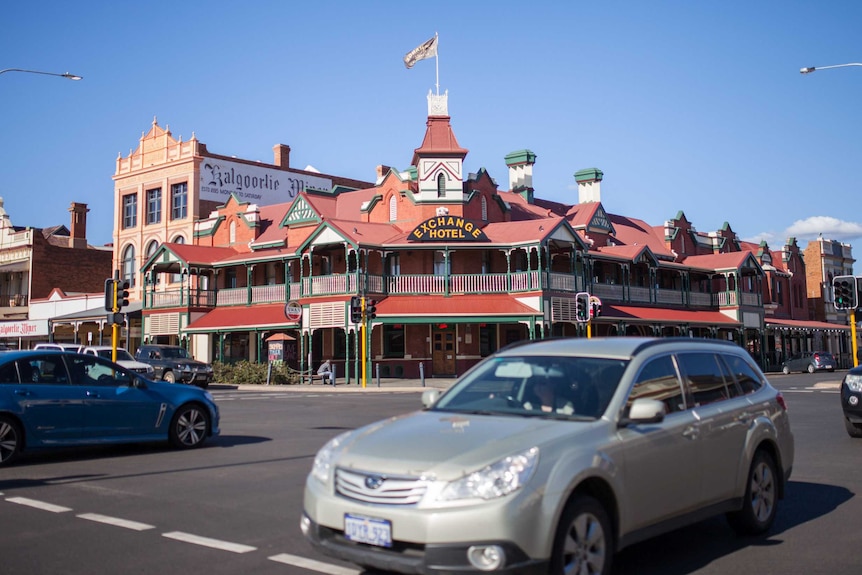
{"x":54,"y":399}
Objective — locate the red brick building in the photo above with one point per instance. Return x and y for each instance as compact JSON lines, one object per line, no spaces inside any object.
{"x":458,"y":268}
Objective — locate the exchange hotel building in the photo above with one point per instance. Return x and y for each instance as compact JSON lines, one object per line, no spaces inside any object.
{"x":458,"y":268}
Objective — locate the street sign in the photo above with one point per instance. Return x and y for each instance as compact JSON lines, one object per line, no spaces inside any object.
{"x":293,"y":311}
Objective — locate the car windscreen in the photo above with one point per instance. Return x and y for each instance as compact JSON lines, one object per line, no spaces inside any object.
{"x":175,"y":353}
{"x":122,"y":355}
{"x":546,"y":386}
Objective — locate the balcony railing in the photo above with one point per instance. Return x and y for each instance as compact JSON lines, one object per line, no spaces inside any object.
{"x":14,"y":300}
{"x":347,"y":284}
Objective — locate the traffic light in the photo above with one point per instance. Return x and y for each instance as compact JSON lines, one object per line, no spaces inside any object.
{"x":110,"y":293}
{"x":118,"y":318}
{"x":582,"y":302}
{"x":356,"y":309}
{"x":845,"y":292}
{"x":370,"y":309}
{"x":122,"y":293}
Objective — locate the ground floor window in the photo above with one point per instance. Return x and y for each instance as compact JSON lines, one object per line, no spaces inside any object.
{"x":393,"y":340}
{"x":487,"y":340}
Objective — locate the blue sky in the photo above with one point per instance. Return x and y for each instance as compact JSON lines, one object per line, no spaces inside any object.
{"x":685,"y":105}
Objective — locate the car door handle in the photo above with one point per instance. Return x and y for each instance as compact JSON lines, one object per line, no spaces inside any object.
{"x":93,"y":394}
{"x":23,"y":392}
{"x":691,"y":432}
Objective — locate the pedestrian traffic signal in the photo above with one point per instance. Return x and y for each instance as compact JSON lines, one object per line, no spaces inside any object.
{"x":356,"y":309}
{"x":118,"y":318}
{"x":845,"y":291}
{"x":110,"y":294}
{"x":370,"y":309}
{"x":582,"y":303}
{"x":122,"y":293}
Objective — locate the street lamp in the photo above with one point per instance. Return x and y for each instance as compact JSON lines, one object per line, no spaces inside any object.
{"x":66,"y":75}
{"x":812,"y":68}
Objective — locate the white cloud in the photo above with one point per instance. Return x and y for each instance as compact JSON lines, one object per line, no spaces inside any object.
{"x":809,"y":229}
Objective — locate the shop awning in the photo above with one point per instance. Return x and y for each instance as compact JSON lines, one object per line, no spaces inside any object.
{"x":21,"y":266}
{"x":431,"y":306}
{"x":805,"y":325}
{"x":242,"y":318}
{"x":667,"y":316}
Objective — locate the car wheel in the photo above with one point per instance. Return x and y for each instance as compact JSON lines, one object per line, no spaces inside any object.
{"x":583,"y":543}
{"x":189,"y":426}
{"x":811,"y":368}
{"x":169,"y":376}
{"x":785,"y":370}
{"x":11,"y":440}
{"x":853,"y":429}
{"x":761,"y":497}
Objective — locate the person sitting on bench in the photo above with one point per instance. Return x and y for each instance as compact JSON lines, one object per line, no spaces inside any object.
{"x":325,"y":372}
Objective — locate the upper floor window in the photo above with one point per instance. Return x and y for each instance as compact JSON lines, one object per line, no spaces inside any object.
{"x":179,"y":201}
{"x":393,"y":209}
{"x":441,"y":185}
{"x":232,"y":232}
{"x":484,"y":209}
{"x":151,"y":251}
{"x":130,"y":211}
{"x":230,"y":278}
{"x":175,"y":278}
{"x":441,"y":264}
{"x":128,"y":265}
{"x":393,"y":264}
{"x":154,"y":206}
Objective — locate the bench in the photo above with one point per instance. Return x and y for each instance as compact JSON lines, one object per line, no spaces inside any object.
{"x":313,"y":376}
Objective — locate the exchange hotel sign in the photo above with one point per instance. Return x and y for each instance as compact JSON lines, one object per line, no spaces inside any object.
{"x":447,"y":229}
{"x":257,"y":185}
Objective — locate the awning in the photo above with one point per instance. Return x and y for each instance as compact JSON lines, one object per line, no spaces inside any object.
{"x":431,"y":306}
{"x":805,"y":325}
{"x":21,"y":266}
{"x":667,"y":316}
{"x":243,"y":318}
{"x":96,"y":314}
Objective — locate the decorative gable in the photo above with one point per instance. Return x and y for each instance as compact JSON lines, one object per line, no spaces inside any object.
{"x":300,"y":213}
{"x":600,"y":223}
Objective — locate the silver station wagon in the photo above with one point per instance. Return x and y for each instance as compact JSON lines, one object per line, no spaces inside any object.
{"x":551,"y":456}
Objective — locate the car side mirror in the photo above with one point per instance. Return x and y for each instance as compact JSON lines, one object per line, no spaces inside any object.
{"x":644,"y":410}
{"x":429,"y":397}
{"x":139,"y":383}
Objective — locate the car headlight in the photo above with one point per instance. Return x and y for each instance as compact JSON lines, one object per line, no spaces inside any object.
{"x":497,"y":480}
{"x":181,"y":367}
{"x":322,"y":467}
{"x":853,"y":382}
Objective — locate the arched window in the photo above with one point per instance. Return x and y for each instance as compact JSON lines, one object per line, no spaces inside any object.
{"x":441,"y":185}
{"x":232,"y":238}
{"x":151,"y":251}
{"x":393,"y":209}
{"x":179,"y":239}
{"x":128,"y":265}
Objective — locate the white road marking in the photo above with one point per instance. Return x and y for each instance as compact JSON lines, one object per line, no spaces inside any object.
{"x":38,"y":504}
{"x":313,"y":565}
{"x":116,"y":521}
{"x":207,"y":542}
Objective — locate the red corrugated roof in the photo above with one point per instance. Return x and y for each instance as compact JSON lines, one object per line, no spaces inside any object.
{"x":663,"y":315}
{"x":243,"y":317}
{"x":460,"y":305}
{"x":795,"y":323}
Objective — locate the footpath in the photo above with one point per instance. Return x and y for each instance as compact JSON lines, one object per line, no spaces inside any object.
{"x":384,"y":384}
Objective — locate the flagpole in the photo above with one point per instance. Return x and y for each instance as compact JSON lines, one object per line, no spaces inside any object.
{"x":437,"y":61}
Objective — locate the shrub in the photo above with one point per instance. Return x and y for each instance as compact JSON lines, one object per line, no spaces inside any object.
{"x":251,"y":373}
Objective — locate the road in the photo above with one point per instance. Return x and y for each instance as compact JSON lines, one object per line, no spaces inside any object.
{"x":234,"y":506}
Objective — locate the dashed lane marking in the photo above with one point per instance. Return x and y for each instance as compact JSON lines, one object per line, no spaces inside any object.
{"x":38,"y":504}
{"x":207,"y":542}
{"x":116,"y":521}
{"x":312,"y":565}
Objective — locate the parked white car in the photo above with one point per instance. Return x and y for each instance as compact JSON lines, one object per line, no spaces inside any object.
{"x":124,"y":358}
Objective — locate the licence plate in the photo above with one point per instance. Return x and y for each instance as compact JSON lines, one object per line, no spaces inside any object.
{"x":368,"y":530}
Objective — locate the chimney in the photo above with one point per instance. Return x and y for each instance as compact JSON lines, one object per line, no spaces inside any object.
{"x":282,"y":155}
{"x":382,"y":172}
{"x":589,"y":185}
{"x":79,"y":225}
{"x":521,"y":173}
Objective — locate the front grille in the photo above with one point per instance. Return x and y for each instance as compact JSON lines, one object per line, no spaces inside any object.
{"x":378,"y":488}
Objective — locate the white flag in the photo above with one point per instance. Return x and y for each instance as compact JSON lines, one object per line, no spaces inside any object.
{"x":425,"y":50}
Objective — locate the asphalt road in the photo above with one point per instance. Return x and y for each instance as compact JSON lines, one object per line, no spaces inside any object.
{"x":234,"y":506}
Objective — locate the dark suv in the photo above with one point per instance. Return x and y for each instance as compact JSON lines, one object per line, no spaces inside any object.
{"x":173,"y":363}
